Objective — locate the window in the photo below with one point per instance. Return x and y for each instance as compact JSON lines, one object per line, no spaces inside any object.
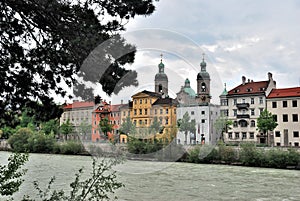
{"x":234,"y":101}
{"x":277,"y":133}
{"x":244,"y":123}
{"x":278,"y":144}
{"x":234,"y":112}
{"x":140,"y":122}
{"x":243,"y":100}
{"x":252,"y":112}
{"x":261,"y":100}
{"x":285,"y":118}
{"x":134,"y":111}
{"x":134,"y":122}
{"x":252,"y":124}
{"x":274,"y":104}
{"x":251,"y":135}
{"x":296,"y":144}
{"x":203,"y":87}
{"x":145,"y":101}
{"x":295,"y":117}
{"x":124,"y":113}
{"x":235,"y":124}
{"x":203,"y":121}
{"x":224,"y":112}
{"x":141,"y":112}
{"x":252,"y":101}
{"x":261,"y":110}
{"x":141,"y":101}
{"x":174,"y":111}
{"x":296,"y":133}
{"x":275,"y":117}
{"x":134,"y":101}
{"x":167,"y":121}
{"x":146,"y":111}
{"x":294,"y":103}
{"x":192,"y":112}
{"x":284,"y":103}
{"x":202,"y":112}
{"x":237,"y":135}
{"x":230,"y":135}
{"x":155,"y":111}
{"x":167,"y":111}
{"x":244,"y":135}
{"x":161,"y":111}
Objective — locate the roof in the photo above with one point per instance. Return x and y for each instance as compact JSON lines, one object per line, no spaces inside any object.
{"x":285,"y":92}
{"x":150,"y":93}
{"x":79,"y":104}
{"x":165,"y":101}
{"x":189,"y":91}
{"x":249,"y":88}
{"x":116,"y":108}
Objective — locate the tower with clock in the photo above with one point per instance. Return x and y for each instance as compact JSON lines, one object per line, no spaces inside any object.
{"x":203,"y":84}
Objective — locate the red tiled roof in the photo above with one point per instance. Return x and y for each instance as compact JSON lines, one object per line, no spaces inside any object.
{"x":285,"y":92}
{"x":249,"y":88}
{"x":79,"y":105}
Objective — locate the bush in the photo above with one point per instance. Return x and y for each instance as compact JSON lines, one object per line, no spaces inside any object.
{"x":227,"y":154}
{"x":19,"y":140}
{"x":71,"y":147}
{"x":250,"y":155}
{"x":41,"y":143}
{"x":202,"y":154}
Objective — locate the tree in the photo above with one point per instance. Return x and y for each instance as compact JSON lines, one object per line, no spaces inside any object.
{"x":222,"y":125}
{"x":265,"y":123}
{"x":19,"y":140}
{"x":10,"y":174}
{"x":84,"y":129}
{"x":105,"y":126}
{"x":127,"y":127}
{"x":185,"y":125}
{"x":66,"y":128}
{"x":155,"y":126}
{"x":44,"y":45}
{"x":51,"y":127}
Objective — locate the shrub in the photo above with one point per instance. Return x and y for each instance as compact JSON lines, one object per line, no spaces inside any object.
{"x":41,"y":143}
{"x":71,"y":147}
{"x":19,"y":140}
{"x":250,"y":155}
{"x":202,"y":154}
{"x":227,"y":154}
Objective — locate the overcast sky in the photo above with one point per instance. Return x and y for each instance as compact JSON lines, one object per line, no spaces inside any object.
{"x":249,"y":38}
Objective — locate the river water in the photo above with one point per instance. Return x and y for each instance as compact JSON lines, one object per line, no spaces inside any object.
{"x":146,"y":180}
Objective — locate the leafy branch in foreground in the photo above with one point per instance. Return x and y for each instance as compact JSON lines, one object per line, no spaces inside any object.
{"x":10,"y":174}
{"x":99,"y":186}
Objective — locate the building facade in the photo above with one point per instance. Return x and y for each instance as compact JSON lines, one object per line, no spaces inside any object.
{"x":198,"y":107}
{"x":242,"y":105}
{"x":284,"y":104}
{"x":79,"y":113}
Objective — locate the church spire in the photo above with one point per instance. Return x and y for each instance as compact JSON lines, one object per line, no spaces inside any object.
{"x":203,"y":63}
{"x":161,"y":79}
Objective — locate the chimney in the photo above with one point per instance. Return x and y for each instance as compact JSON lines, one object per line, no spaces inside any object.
{"x":270,"y":76}
{"x":122,"y":101}
{"x":248,"y":80}
{"x":243,"y":80}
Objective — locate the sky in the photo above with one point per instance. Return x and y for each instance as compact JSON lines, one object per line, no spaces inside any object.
{"x":239,"y":38}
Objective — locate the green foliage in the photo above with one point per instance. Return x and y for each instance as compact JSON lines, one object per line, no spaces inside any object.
{"x":6,"y":132}
{"x":266,"y":122}
{"x":50,"y":40}
{"x":105,"y":126}
{"x":127,"y":127}
{"x":66,"y":128}
{"x":250,"y":155}
{"x":99,"y":186}
{"x":10,"y":174}
{"x":155,"y":127}
{"x":41,"y":143}
{"x":203,"y":154}
{"x":71,"y":147}
{"x":137,"y":146}
{"x":19,"y":140}
{"x":227,"y":154}
{"x":50,"y":127}
{"x":185,"y":125}
{"x":222,"y":125}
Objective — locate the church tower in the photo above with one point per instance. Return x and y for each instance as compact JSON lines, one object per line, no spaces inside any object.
{"x":161,"y":79}
{"x":203,"y":84}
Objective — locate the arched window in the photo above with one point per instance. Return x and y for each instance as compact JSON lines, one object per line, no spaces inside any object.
{"x":252,"y":123}
{"x":160,"y":88}
{"x":203,"y":87}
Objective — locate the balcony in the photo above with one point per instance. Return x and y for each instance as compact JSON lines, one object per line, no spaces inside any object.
{"x":243,"y":116}
{"x":242,"y":105}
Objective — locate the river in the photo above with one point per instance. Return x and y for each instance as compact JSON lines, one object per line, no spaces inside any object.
{"x":146,"y":180}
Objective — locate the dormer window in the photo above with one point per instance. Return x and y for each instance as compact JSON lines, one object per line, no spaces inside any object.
{"x":249,"y":89}
{"x":236,"y":91}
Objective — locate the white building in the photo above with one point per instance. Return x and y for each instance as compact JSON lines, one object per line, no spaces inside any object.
{"x":199,"y":108}
{"x":243,"y":105}
{"x":284,"y":104}
{"x":205,"y":116}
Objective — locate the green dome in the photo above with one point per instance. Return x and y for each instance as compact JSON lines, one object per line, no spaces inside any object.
{"x":190,"y":91}
{"x":187,"y":81}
